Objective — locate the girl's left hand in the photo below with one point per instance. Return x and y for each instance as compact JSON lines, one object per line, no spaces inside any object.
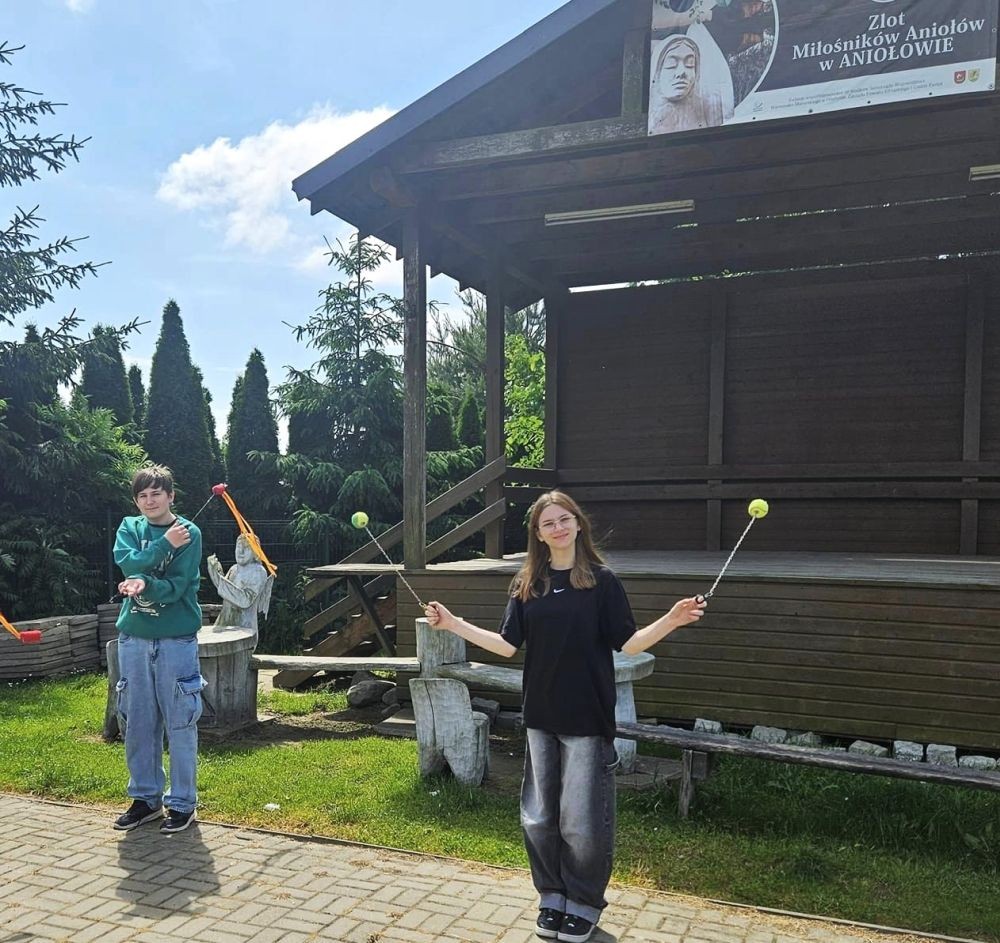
{"x":686,"y":611}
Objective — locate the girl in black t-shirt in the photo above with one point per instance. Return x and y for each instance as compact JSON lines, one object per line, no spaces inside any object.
{"x":571,"y":613}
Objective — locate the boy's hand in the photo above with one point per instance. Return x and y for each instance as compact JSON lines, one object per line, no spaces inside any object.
{"x":178,"y":535}
{"x":133,"y":586}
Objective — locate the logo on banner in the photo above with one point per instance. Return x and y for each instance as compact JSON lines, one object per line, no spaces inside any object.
{"x":960,"y":77}
{"x":973,"y":75}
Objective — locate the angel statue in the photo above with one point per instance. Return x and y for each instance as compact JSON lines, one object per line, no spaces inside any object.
{"x":245,"y":589}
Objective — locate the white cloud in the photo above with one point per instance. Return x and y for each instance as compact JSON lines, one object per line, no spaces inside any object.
{"x":79,"y":6}
{"x":245,"y":188}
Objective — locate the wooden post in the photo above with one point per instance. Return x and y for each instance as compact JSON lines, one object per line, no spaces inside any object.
{"x":553,"y":313}
{"x":415,"y":394}
{"x":716,"y":414}
{"x":634,"y":56}
{"x":972,"y":424}
{"x":436,"y":647}
{"x":495,"y":316}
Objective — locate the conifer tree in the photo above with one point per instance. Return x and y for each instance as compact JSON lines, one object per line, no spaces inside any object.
{"x":253,"y":428}
{"x":138,"y":393}
{"x":470,"y":430}
{"x":177,"y":432}
{"x":440,"y":425}
{"x":104,"y":382}
{"x":218,"y":459}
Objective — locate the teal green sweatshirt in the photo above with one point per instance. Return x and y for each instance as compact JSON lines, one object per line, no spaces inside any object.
{"x":168,"y":606}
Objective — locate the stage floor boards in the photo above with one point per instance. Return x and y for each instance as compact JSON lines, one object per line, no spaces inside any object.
{"x":897,"y":569}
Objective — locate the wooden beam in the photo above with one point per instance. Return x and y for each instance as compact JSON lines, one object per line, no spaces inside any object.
{"x":972,"y":418}
{"x":554,"y":307}
{"x":731,"y":149}
{"x":415,"y":398}
{"x":634,"y":56}
{"x":511,"y":145}
{"x":731,"y":195}
{"x":495,"y":318}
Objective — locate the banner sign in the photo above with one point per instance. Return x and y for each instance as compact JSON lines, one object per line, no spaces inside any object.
{"x":718,"y":62}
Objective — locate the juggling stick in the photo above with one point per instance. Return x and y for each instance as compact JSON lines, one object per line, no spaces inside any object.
{"x":756,"y":509}
{"x":28,"y":637}
{"x":360,"y":520}
{"x":217,"y":491}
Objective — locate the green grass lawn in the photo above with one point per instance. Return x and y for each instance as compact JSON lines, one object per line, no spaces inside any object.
{"x":855,"y":847}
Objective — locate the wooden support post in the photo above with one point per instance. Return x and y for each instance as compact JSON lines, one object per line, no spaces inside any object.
{"x":634,"y":57}
{"x":495,"y":316}
{"x":553,"y":314}
{"x":685,"y":791}
{"x":972,"y":425}
{"x":716,"y":414}
{"x":415,"y":394}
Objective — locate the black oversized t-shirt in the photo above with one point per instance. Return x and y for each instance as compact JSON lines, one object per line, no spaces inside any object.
{"x":569,"y":636}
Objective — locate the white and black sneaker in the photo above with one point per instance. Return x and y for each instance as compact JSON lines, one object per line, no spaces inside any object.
{"x":575,"y":929}
{"x":176,"y":821}
{"x":138,"y":813}
{"x":548,"y":923}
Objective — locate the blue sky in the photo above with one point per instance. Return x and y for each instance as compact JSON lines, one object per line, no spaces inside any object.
{"x":200,"y":113}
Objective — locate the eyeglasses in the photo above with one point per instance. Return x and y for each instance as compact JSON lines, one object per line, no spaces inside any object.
{"x":562,"y":523}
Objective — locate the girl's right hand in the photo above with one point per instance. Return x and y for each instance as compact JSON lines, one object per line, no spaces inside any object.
{"x":438,"y":617}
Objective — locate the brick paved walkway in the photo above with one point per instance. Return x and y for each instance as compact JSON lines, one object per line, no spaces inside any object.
{"x":65,"y":875}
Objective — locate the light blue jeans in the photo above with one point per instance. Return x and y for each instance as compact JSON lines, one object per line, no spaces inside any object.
{"x":568,"y":817}
{"x":160,"y":691}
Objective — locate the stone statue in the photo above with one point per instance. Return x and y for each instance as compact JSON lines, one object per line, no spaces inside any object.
{"x":245,"y":589}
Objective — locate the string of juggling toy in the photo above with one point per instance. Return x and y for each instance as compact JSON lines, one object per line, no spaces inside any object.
{"x":360,"y":520}
{"x":756,"y":509}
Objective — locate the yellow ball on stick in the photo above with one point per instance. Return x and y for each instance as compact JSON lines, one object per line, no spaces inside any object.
{"x":757,"y":508}
{"x":359,"y":519}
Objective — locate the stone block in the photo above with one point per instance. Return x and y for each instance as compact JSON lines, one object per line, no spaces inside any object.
{"x":941,"y":754}
{"x":768,"y":734}
{"x":908,"y":750}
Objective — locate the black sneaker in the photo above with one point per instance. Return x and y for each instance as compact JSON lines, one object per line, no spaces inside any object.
{"x":548,"y":923}
{"x":575,"y":929}
{"x":138,"y":813}
{"x":177,"y":821}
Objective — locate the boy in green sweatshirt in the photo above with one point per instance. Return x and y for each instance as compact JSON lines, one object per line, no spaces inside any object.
{"x":159,"y":692}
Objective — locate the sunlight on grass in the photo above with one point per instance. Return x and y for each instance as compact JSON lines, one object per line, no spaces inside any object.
{"x":856,"y":847}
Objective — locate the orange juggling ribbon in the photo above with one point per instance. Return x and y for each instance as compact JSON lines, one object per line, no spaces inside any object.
{"x":28,"y":637}
{"x":245,"y":529}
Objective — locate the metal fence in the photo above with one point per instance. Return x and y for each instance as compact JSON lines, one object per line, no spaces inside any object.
{"x":218,"y":537}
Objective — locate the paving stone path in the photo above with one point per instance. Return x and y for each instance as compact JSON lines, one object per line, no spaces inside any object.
{"x":65,"y":875}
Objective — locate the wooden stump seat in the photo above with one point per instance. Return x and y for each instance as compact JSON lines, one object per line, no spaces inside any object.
{"x":449,"y":732}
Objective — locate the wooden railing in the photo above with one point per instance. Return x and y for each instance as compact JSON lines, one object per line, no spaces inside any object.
{"x":490,"y":474}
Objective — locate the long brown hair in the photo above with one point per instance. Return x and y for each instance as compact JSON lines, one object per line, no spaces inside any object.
{"x":534,"y":572}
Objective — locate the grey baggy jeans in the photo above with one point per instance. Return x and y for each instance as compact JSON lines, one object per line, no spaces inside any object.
{"x":568,"y":817}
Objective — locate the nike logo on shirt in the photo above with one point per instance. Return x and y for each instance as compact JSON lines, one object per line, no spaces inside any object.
{"x":559,"y":590}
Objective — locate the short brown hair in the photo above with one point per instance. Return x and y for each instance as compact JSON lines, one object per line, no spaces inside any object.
{"x":152,"y":476}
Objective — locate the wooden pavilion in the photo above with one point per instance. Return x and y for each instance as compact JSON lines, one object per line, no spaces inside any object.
{"x":822,"y":330}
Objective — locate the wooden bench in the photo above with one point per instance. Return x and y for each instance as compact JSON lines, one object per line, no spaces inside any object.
{"x":442,"y":655}
{"x":691,"y":743}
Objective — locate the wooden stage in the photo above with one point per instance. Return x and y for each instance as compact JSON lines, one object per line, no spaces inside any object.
{"x":863,"y":569}
{"x":875,"y":646}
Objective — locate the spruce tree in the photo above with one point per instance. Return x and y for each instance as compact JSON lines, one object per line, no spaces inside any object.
{"x":177,"y":432}
{"x":440,"y":425}
{"x":470,"y":430}
{"x":104,"y":382}
{"x":253,"y":428}
{"x":138,"y":394}
{"x":218,"y":459}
